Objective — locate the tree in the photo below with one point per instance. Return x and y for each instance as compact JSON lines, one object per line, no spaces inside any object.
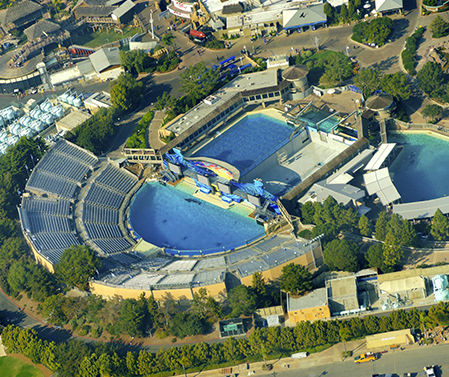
{"x":329,"y":11}
{"x":344,"y":334}
{"x":126,"y":92}
{"x":397,"y":85}
{"x":76,"y":266}
{"x":337,"y":69}
{"x":392,"y":250}
{"x":365,"y":226}
{"x":431,"y":79}
{"x":381,"y":226}
{"x":198,"y":81}
{"x":242,"y":300}
{"x":432,"y":111}
{"x":375,"y":256}
{"x":259,"y":286}
{"x":17,"y":276}
{"x":307,"y":211}
{"x":344,"y":12}
{"x":379,"y":30}
{"x":167,"y":39}
{"x":341,"y":255}
{"x":440,"y":226}
{"x":368,"y":81}
{"x":351,"y":10}
{"x":296,"y":279}
{"x":135,"y":61}
{"x":439,"y":27}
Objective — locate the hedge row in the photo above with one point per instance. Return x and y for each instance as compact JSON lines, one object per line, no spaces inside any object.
{"x":409,"y":54}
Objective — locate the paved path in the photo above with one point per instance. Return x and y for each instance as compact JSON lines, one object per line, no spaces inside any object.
{"x":155,"y":125}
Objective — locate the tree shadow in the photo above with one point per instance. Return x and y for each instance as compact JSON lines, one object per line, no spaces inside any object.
{"x":386,"y":64}
{"x":400,"y":28}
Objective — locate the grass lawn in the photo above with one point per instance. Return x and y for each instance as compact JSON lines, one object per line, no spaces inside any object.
{"x":12,"y":367}
{"x":320,"y":55}
{"x":99,"y":38}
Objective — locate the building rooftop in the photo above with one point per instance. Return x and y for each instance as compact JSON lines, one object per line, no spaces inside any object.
{"x":18,"y":11}
{"x":99,"y":99}
{"x":312,"y":300}
{"x":295,"y":72}
{"x":387,"y":5}
{"x":94,"y":12}
{"x":124,"y":8}
{"x":73,"y":119}
{"x":40,"y":28}
{"x":343,"y":193}
{"x":379,"y":182}
{"x":240,"y":83}
{"x":379,"y":101}
{"x":105,"y":58}
{"x":428,"y":272}
{"x":294,"y":18}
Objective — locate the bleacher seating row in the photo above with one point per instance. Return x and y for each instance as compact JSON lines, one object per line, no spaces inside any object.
{"x":112,"y":245}
{"x":96,"y":214}
{"x":116,"y":179}
{"x":51,"y":241}
{"x":47,"y":223}
{"x":50,"y":183}
{"x":75,"y":152}
{"x":126,"y":259}
{"x":64,"y":166}
{"x":95,"y":231}
{"x":45,"y":206}
{"x":103,"y":196}
{"x":53,"y":255}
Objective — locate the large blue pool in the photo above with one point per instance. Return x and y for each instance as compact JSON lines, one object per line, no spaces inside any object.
{"x":171,"y":217}
{"x":420,"y":171}
{"x":248,"y":142}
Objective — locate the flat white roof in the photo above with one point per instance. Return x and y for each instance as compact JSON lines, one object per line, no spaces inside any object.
{"x":379,"y":182}
{"x":380,"y":156}
{"x":422,"y":210}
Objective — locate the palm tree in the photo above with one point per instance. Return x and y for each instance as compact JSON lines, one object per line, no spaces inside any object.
{"x":168,"y":39}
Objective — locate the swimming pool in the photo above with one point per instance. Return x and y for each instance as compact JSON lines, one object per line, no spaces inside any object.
{"x":313,"y":117}
{"x":248,"y":142}
{"x":419,"y":172}
{"x":171,"y":217}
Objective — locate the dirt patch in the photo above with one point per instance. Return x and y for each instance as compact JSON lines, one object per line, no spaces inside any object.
{"x":45,"y":371}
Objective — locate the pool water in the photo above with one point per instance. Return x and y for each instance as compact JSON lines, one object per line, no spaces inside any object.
{"x":171,"y":217}
{"x":313,"y":117}
{"x":248,"y":142}
{"x":420,"y":171}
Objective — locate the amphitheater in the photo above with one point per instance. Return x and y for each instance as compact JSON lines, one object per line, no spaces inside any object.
{"x":73,"y":197}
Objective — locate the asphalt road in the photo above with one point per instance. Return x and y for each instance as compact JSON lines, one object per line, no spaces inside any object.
{"x":396,"y":362}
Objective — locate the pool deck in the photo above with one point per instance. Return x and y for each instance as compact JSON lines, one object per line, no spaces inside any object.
{"x":297,"y":167}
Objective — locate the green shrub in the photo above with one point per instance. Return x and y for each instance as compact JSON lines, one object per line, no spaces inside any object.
{"x":161,"y":334}
{"x":306,"y":233}
{"x":137,"y":138}
{"x":96,"y":332}
{"x":215,"y":44}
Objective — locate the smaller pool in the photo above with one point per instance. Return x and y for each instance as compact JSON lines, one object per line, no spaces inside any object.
{"x":313,"y":117}
{"x":171,"y":217}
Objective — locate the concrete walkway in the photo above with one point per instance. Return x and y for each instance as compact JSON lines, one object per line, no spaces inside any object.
{"x":152,"y":133}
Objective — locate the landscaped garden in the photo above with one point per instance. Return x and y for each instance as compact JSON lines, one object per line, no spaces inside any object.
{"x":326,"y":68}
{"x":375,"y":32}
{"x":99,"y":38}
